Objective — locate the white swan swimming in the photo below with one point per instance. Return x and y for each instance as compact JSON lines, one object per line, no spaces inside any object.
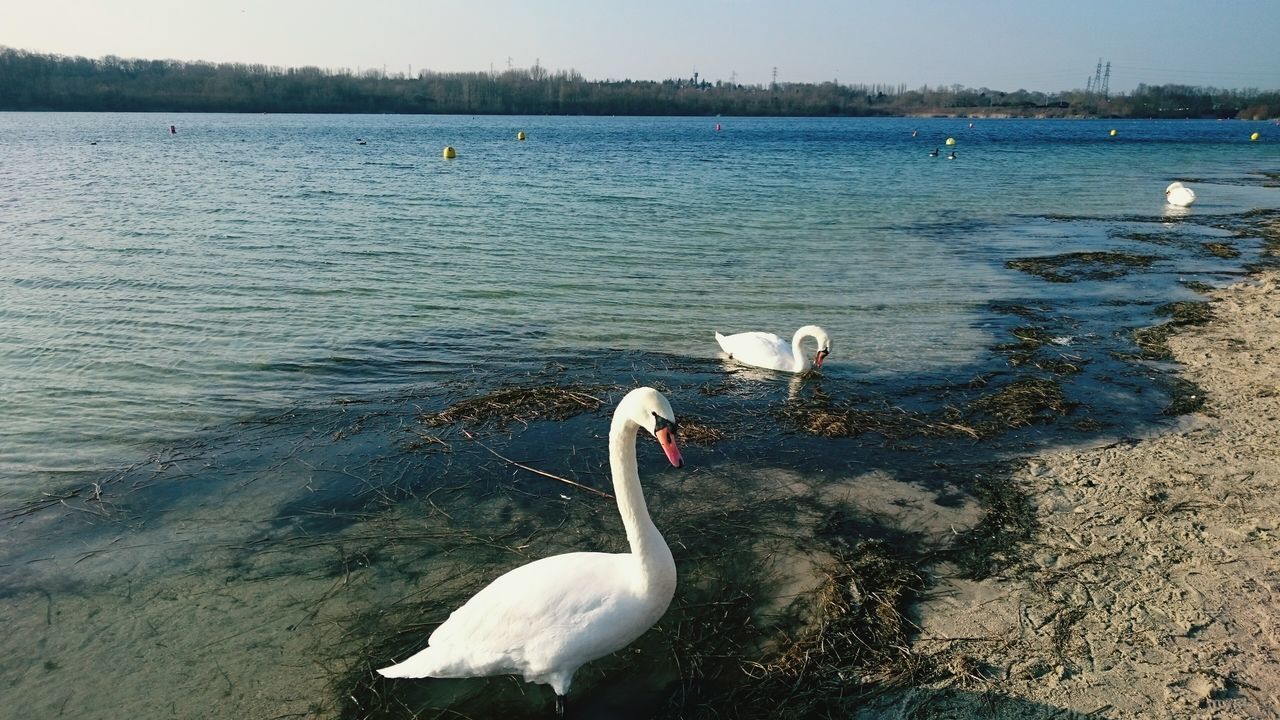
{"x":769,"y":351}
{"x":546,"y":619}
{"x":1179,"y":195}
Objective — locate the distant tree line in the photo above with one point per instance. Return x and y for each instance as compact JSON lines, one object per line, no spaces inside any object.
{"x":35,"y":81}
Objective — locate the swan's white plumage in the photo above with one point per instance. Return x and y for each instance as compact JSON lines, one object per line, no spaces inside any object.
{"x":769,"y":351}
{"x":546,"y":619}
{"x":1179,"y":195}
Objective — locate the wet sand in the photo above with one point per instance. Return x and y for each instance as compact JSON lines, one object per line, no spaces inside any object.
{"x":1152,"y":586}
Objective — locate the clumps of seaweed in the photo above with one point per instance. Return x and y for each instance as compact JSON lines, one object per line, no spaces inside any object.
{"x":1008,"y":520}
{"x":1023,"y":402}
{"x":1185,"y":397}
{"x":1021,"y":311}
{"x":696,"y":432}
{"x":1222,"y":250}
{"x":521,"y":404}
{"x":844,"y":419}
{"x":854,"y":645}
{"x":1070,"y":267}
{"x":1197,"y":286}
{"x":1153,"y":342}
{"x":1027,"y":351}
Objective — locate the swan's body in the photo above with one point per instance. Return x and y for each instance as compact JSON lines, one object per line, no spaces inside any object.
{"x":546,"y":619}
{"x":1179,"y":195}
{"x":769,"y":351}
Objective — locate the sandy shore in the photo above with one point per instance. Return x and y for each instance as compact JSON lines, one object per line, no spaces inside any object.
{"x":1152,"y":587}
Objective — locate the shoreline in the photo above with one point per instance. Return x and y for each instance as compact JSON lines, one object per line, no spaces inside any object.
{"x":1152,"y":585}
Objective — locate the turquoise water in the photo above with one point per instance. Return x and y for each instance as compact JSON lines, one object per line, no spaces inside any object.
{"x":153,"y":285}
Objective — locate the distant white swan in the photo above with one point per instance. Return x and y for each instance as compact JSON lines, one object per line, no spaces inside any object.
{"x":1179,"y":195}
{"x":769,"y":351}
{"x":546,"y":619}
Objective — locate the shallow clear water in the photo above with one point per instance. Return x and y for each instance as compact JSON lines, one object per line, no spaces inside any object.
{"x":155,"y":284}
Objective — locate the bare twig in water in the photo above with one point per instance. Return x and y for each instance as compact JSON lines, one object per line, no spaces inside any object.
{"x":522,"y":466}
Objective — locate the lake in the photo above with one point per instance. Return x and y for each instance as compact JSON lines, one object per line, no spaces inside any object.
{"x":217,"y":345}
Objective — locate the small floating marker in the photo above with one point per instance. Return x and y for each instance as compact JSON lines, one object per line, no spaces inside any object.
{"x":1114,"y":132}
{"x":970,"y":124}
{"x":1254,"y":137}
{"x":520,"y":135}
{"x":951,"y":141}
{"x":717,"y":127}
{"x":448,"y":153}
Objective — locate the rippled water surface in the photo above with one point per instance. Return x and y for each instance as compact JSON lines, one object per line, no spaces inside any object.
{"x":153,"y":284}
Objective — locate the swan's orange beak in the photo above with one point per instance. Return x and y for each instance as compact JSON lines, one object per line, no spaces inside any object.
{"x":667,"y":440}
{"x":822,"y":355}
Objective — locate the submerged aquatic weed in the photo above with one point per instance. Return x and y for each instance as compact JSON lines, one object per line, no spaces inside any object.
{"x":1222,"y":250}
{"x":1184,"y":396}
{"x":1008,"y":520}
{"x":1024,"y":401}
{"x":1153,"y":342}
{"x":1070,"y":267}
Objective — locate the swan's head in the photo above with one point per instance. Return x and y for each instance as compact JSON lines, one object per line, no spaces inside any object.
{"x":824,"y":342}
{"x":649,"y":409}
{"x":1172,"y":187}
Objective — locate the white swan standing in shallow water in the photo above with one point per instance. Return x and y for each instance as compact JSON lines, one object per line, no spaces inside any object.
{"x":546,"y":619}
{"x":769,"y":351}
{"x":1179,"y":195}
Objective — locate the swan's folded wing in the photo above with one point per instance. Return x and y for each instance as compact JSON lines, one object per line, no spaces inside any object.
{"x":760,"y":349}
{"x":534,"y":600}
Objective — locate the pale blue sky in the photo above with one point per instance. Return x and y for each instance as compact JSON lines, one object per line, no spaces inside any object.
{"x":1003,"y":44}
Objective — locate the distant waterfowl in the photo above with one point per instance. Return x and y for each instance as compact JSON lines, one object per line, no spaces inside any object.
{"x":546,"y":619}
{"x":952,"y":156}
{"x":934,"y":153}
{"x":1179,"y":195}
{"x":771,"y":352}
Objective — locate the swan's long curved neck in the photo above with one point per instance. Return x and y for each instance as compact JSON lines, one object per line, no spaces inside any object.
{"x":646,"y":542}
{"x":797,"y":353}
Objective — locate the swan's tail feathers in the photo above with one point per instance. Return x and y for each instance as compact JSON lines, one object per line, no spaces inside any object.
{"x":424,"y":664}
{"x":720,"y":340}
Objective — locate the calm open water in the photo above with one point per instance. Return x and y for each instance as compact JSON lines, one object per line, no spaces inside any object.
{"x":151,"y":285}
{"x":217,"y":495}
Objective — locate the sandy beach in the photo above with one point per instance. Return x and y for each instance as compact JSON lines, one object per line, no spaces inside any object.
{"x":1152,"y":585}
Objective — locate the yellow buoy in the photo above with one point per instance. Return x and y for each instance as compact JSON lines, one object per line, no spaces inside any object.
{"x":951,"y":141}
{"x":1255,"y":136}
{"x":448,"y":153}
{"x":520,"y":135}
{"x":1114,"y":133}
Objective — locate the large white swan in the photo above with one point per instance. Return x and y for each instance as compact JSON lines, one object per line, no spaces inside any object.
{"x":767,"y":350}
{"x":1179,"y":195}
{"x":546,"y":619}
